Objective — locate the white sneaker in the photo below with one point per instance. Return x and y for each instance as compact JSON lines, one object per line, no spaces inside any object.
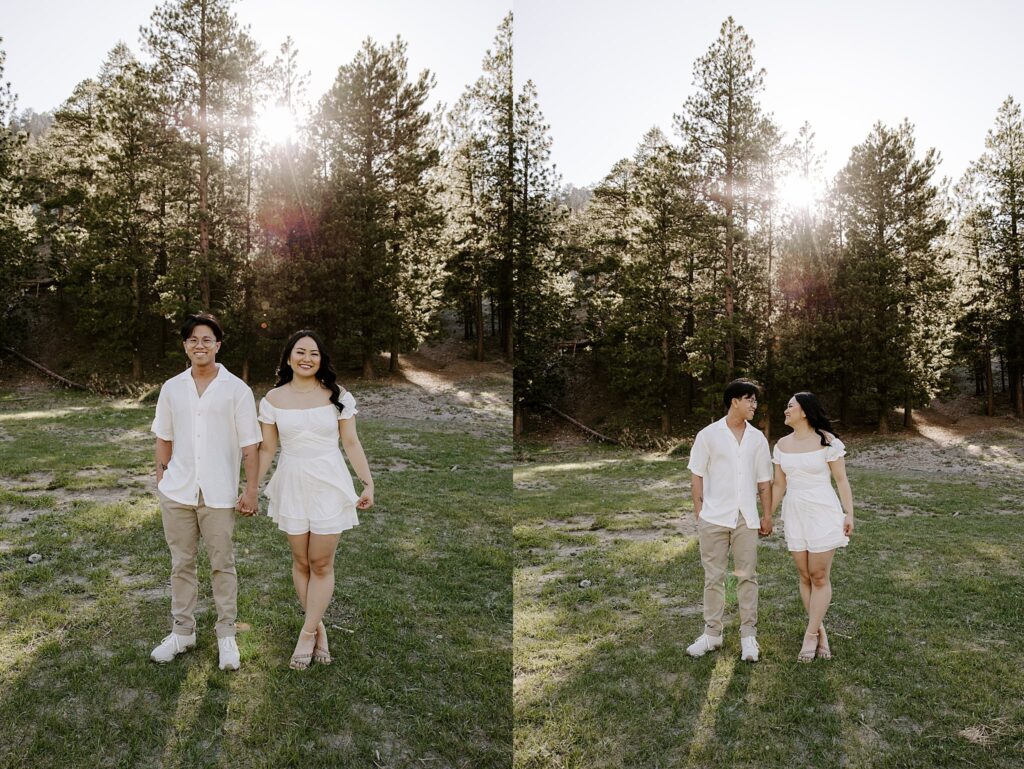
{"x":750,"y":650}
{"x":703,"y":645}
{"x":228,"y":653}
{"x":172,"y":646}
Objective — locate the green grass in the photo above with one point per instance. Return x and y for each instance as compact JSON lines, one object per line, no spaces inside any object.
{"x":421,"y":613}
{"x":925,"y":626}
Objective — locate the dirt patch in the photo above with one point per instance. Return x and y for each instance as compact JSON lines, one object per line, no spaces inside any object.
{"x":626,"y":526}
{"x":940,"y":443}
{"x":439,"y":383}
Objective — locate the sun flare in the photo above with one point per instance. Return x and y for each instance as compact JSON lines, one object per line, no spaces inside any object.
{"x":798,"y":191}
{"x":277,"y":124}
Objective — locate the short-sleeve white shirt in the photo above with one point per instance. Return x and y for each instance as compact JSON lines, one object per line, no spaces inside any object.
{"x":208,"y":433}
{"x":731,"y":471}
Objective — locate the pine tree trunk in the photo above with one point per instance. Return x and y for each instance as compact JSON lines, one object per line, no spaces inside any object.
{"x":137,"y":337}
{"x":990,"y":403}
{"x":478,"y":318}
{"x":517,"y":420}
{"x":666,"y":418}
{"x":368,"y":372}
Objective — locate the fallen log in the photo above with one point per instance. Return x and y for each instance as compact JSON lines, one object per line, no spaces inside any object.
{"x":582,"y":426}
{"x":64,"y":381}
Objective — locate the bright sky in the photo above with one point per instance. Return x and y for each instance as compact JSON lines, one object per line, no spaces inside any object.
{"x":608,"y":70}
{"x":53,"y":45}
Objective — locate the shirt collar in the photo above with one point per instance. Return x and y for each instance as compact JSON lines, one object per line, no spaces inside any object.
{"x":725,"y":425}
{"x":222,"y":373}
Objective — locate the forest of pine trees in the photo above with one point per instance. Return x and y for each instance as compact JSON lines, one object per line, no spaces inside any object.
{"x":685,"y":267}
{"x":150,"y":193}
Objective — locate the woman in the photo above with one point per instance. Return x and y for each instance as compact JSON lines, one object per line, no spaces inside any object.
{"x":311,"y":495}
{"x":814,"y":516}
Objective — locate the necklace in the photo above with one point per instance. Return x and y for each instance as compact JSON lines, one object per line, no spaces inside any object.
{"x":311,"y":389}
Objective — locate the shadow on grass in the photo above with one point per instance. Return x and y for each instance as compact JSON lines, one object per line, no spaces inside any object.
{"x":422,"y":643}
{"x":925,"y":616}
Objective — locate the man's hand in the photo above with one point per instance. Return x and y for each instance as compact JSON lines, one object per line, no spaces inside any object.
{"x":247,"y":502}
{"x":766,"y":526}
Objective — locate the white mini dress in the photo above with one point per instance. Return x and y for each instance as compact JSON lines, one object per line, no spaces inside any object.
{"x":311,"y":490}
{"x":811,"y":512}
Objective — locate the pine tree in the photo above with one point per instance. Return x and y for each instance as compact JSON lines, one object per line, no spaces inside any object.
{"x":540,"y":284}
{"x":892,"y":276}
{"x":380,"y":214}
{"x":721,"y":122}
{"x":1001,"y":172}
{"x":17,"y":225}
{"x":194,"y":43}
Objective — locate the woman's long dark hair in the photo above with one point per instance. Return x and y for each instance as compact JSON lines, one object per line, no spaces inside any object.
{"x":325,"y":374}
{"x":816,"y":416}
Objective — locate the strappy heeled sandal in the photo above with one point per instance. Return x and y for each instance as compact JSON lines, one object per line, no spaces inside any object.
{"x":823,"y":652}
{"x":321,"y":654}
{"x":807,"y":655}
{"x":301,"y":661}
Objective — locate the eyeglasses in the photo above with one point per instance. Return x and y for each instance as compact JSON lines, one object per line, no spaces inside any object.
{"x":206,"y":341}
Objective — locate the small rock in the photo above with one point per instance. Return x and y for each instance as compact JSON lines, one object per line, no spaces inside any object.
{"x":455,"y":467}
{"x":25,"y":519}
{"x":35,"y":558}
{"x":585,"y":583}
{"x":957,"y":513}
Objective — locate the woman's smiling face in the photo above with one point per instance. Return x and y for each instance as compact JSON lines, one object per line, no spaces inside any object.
{"x":305,"y":357}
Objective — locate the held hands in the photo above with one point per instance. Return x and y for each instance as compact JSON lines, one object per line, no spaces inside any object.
{"x":365,"y":501}
{"x":766,"y":526}
{"x":848,"y":525}
{"x":247,"y":502}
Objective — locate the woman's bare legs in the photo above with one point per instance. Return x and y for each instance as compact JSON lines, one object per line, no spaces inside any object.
{"x":313,"y":577}
{"x":800,"y":558}
{"x":819,"y":566}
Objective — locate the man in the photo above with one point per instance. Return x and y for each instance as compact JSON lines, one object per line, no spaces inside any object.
{"x":205,"y":418}
{"x":729,"y":459}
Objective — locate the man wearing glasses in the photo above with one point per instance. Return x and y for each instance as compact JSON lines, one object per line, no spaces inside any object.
{"x":205,"y":422}
{"x":730,"y":467}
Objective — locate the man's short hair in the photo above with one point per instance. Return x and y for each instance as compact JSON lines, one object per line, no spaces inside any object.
{"x":739,"y":388}
{"x":201,"y":319}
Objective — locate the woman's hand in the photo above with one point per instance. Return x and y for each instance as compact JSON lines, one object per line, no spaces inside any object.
{"x":365,"y":501}
{"x":848,"y":525}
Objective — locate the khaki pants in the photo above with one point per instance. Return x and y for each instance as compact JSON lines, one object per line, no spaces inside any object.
{"x":715,"y":543}
{"x":183,"y":524}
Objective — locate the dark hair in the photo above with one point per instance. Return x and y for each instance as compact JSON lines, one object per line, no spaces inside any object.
{"x":739,"y":388}
{"x":815,"y":413}
{"x":325,"y":374}
{"x":201,"y":319}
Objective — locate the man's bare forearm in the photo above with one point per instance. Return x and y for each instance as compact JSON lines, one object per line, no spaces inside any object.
{"x":162,"y":456}
{"x":697,"y":493}
{"x":251,"y":463}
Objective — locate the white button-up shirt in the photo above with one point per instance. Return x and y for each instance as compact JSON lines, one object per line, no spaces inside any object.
{"x":731,"y":470}
{"x":208,"y":434}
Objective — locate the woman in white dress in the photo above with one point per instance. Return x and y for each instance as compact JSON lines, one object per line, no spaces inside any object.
{"x":312,"y":498}
{"x":816,"y":520}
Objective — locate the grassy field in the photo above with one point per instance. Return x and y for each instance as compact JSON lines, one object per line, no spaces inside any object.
{"x":420,"y":625}
{"x":925,"y":625}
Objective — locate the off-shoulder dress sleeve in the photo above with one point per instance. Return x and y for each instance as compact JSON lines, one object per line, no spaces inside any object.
{"x":348,"y":403}
{"x":835,"y":450}
{"x":267,"y":412}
